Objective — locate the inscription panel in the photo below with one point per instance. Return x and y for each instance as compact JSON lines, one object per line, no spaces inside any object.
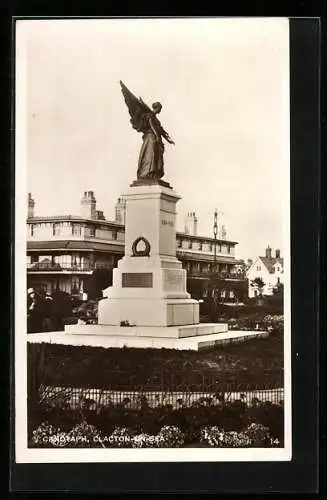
{"x":166,"y":222}
{"x":173,"y":280}
{"x":137,"y":280}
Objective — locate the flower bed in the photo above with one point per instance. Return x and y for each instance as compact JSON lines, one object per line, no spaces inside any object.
{"x":274,"y":323}
{"x":85,"y":435}
{"x":229,"y":416}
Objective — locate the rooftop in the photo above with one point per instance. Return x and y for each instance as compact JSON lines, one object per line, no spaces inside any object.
{"x":269,"y":262}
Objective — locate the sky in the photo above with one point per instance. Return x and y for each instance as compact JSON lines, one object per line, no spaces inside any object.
{"x":224,"y":87}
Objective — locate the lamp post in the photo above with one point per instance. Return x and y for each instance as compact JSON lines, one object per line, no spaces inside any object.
{"x":215,"y":230}
{"x":213,"y":297}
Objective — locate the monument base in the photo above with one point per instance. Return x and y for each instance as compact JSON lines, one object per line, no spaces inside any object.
{"x":149,"y":312}
{"x":91,"y":336}
{"x":173,"y":332}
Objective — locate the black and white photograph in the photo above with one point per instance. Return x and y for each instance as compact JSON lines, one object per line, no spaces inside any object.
{"x":152,"y":240}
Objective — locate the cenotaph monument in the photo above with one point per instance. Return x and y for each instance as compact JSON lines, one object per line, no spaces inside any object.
{"x":148,"y":304}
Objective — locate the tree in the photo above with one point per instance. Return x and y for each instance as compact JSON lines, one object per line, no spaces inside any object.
{"x":258,"y":284}
{"x":279,"y":289}
{"x":100,"y":279}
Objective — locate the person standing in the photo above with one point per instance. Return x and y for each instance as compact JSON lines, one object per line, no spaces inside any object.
{"x":33,"y":312}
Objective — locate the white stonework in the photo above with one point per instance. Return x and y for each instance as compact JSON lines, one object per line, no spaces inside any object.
{"x":148,"y":304}
{"x":149,"y":331}
{"x":194,"y":343}
{"x":149,"y":290}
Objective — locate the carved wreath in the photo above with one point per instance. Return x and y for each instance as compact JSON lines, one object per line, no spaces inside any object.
{"x":141,"y":253}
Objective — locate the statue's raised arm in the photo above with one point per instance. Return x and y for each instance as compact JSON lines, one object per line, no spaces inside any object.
{"x":144,"y":119}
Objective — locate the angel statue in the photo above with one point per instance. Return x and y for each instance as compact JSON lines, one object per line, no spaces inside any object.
{"x":144,"y":119}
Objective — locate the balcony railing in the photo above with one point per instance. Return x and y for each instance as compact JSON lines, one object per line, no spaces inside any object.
{"x":52,"y":267}
{"x":210,"y":274}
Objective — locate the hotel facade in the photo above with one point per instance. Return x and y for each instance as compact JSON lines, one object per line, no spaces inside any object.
{"x":71,"y":252}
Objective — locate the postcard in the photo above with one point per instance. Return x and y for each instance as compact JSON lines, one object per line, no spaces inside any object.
{"x":152,"y":240}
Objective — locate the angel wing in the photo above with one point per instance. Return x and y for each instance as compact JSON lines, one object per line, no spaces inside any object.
{"x":136,"y":108}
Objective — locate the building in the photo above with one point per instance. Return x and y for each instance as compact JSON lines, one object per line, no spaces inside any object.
{"x":70,"y":252}
{"x":269,"y":269}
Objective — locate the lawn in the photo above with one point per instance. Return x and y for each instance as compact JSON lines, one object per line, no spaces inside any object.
{"x":257,"y":363}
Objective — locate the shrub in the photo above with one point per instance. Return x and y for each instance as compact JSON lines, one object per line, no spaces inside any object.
{"x":170,"y":436}
{"x":82,"y":435}
{"x":258,"y":434}
{"x":255,"y":435}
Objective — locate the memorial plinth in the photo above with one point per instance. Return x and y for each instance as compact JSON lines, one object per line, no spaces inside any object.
{"x":148,"y":304}
{"x":149,"y":284}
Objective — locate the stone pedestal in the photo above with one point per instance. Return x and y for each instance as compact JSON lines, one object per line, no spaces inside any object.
{"x":149,"y":284}
{"x":148,"y":305}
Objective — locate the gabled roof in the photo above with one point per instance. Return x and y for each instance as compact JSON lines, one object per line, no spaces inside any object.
{"x":270,"y":262}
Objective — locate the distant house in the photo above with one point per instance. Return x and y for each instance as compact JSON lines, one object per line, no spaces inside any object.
{"x":269,"y":269}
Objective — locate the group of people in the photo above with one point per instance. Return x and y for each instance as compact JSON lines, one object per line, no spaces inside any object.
{"x":46,"y":312}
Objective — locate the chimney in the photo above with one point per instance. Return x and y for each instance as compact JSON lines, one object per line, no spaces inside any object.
{"x":277,"y":253}
{"x":120,"y":210}
{"x":100,"y":215}
{"x":191,"y":224}
{"x":88,"y":205}
{"x":268,"y":252}
{"x":30,"y":206}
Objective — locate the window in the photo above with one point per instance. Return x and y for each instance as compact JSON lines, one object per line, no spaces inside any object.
{"x":228,"y":249}
{"x":258,"y":268}
{"x":278,"y":281}
{"x":32,"y":229}
{"x":210,"y":247}
{"x":63,"y":260}
{"x":65,"y":286}
{"x":55,"y":229}
{"x":277,"y":268}
{"x":219,"y":247}
{"x":223,"y":293}
{"x":200,"y":245}
{"x":76,"y":230}
{"x":75,"y":284}
{"x":114,"y":234}
{"x":190,"y":244}
{"x":231,"y":294}
{"x":179,"y":242}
